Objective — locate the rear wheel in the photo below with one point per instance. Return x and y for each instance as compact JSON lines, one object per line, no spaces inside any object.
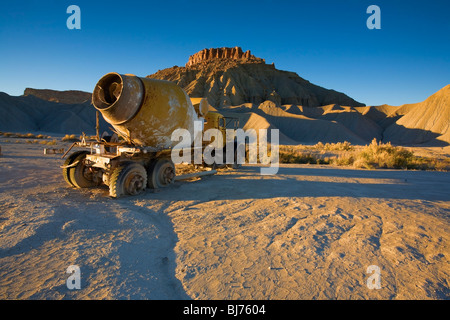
{"x":71,"y":159}
{"x":80,"y":175}
{"x":128,"y":179}
{"x":161,"y":174}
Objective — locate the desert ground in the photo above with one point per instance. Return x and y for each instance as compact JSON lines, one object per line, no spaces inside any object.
{"x":309,"y":232}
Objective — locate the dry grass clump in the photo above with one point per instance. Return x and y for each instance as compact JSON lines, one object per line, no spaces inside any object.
{"x":379,"y":155}
{"x":373,"y":156}
{"x":49,"y":143}
{"x":319,"y":153}
{"x":290,"y":155}
{"x":43,"y":142}
{"x":74,"y":138}
{"x":70,"y":138}
{"x":338,"y":146}
{"x":24,"y":135}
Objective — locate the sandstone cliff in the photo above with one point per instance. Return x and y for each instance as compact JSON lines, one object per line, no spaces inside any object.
{"x":235,"y":53}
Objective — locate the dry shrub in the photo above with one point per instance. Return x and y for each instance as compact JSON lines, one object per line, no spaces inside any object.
{"x":286,"y":157}
{"x":49,"y":143}
{"x":70,"y":138}
{"x":41,"y":136}
{"x":373,"y":156}
{"x":24,"y":135}
{"x":296,"y":154}
{"x":379,"y":155}
{"x":338,"y":146}
{"x":346,"y":159}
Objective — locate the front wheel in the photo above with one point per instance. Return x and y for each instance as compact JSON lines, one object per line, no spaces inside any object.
{"x":128,"y":179}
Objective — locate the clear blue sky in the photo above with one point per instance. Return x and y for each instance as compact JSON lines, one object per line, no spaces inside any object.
{"x":325,"y":42}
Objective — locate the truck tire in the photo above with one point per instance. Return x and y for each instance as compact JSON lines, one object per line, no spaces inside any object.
{"x":80,"y":175}
{"x":129,"y":178}
{"x":161,"y":173}
{"x":70,"y":159}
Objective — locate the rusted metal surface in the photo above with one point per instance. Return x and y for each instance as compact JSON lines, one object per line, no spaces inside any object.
{"x":201,"y":106}
{"x":68,"y":150}
{"x":118,"y":97}
{"x":144,"y":111}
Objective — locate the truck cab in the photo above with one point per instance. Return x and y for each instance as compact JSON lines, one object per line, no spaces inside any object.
{"x":215,"y":120}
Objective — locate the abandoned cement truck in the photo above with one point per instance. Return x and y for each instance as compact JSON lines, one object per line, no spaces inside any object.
{"x":143,"y":113}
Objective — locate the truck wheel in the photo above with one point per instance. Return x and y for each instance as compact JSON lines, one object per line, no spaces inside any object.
{"x":161,"y":173}
{"x":80,"y":175}
{"x":128,"y":179}
{"x":70,"y":159}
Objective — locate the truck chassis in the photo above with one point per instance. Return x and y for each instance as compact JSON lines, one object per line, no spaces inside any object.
{"x":126,"y":169}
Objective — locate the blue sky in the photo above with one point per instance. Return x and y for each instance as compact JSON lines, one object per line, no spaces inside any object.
{"x":325,"y":42}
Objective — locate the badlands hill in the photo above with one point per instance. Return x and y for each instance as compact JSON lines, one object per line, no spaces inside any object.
{"x":238,"y":84}
{"x":426,"y":123}
{"x":229,"y":77}
{"x":30,"y":113}
{"x":66,"y":97}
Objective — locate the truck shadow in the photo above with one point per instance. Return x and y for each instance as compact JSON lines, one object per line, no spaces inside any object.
{"x":124,"y":250}
{"x":148,"y":260}
{"x":313,"y":181}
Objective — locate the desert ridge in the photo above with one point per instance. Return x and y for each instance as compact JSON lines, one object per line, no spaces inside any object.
{"x":424,"y":123}
{"x":238,"y":84}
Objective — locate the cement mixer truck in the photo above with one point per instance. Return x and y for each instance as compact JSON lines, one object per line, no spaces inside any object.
{"x":143,"y":113}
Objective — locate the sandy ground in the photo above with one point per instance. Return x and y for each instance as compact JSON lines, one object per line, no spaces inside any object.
{"x":309,"y":232}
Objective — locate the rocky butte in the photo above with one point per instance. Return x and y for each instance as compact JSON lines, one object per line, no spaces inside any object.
{"x":235,"y":53}
{"x":232,"y":77}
